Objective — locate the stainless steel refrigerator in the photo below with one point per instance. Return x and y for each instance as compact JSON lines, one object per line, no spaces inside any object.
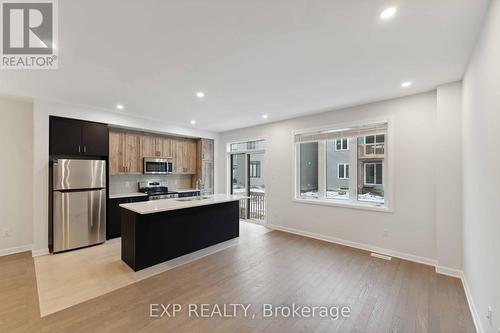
{"x":79,"y":203}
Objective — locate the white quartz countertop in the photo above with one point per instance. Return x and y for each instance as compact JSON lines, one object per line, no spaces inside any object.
{"x":127,"y":195}
{"x":157,"y":206}
{"x":184,"y":190}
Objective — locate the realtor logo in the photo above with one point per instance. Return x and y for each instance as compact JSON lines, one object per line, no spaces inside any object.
{"x":29,"y":34}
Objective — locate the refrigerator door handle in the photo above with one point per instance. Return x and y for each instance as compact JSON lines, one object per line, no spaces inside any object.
{"x":90,"y":204}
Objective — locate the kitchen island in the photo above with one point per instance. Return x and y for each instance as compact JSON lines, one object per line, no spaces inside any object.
{"x":159,"y":230}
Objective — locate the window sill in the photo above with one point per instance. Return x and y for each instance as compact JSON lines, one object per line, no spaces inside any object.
{"x":338,"y":203}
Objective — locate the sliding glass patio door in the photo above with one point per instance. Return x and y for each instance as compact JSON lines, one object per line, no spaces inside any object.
{"x":248,"y":179}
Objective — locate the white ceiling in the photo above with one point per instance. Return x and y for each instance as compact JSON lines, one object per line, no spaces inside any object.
{"x":283,"y":58}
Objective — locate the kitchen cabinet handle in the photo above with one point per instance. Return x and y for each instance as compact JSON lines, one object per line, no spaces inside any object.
{"x":84,"y":149}
{"x":79,"y":148}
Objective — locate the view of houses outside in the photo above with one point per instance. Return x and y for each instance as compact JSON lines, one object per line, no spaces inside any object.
{"x":309,"y":169}
{"x":337,"y":169}
{"x":370,"y":155}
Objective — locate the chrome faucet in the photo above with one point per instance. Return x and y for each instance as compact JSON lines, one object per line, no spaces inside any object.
{"x":199,"y":187}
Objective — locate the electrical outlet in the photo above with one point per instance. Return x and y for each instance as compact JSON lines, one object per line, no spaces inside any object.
{"x":386,"y":232}
{"x":6,"y":233}
{"x":490,"y":313}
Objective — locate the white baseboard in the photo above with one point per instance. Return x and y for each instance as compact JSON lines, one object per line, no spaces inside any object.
{"x":472,"y":305}
{"x":14,"y":250}
{"x":40,"y":252}
{"x":456,"y":273}
{"x":361,"y":246}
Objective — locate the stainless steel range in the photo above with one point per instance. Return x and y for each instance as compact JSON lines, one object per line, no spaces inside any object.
{"x":157,"y":190}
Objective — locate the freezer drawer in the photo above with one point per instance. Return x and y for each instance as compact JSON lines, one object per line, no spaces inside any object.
{"x":79,"y":218}
{"x":79,"y":174}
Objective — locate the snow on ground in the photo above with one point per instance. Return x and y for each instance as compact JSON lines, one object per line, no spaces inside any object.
{"x":242,"y":190}
{"x":370,"y":197}
{"x":342,"y":195}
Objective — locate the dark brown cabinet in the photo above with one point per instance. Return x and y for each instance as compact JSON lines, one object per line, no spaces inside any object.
{"x":113,"y":225}
{"x":72,"y":137}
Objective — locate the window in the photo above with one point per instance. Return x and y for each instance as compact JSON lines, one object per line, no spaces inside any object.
{"x":246,"y":146}
{"x":347,"y":165}
{"x":343,"y":171}
{"x":337,"y":171}
{"x":254,"y":169}
{"x":342,"y":144}
{"x":309,"y":170}
{"x":373,"y":174}
{"x":374,"y":144}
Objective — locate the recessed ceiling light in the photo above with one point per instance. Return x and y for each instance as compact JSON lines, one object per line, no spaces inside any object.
{"x":265,"y":116}
{"x":200,"y":94}
{"x":192,"y":122}
{"x":120,"y":106}
{"x":388,"y":13}
{"x":406,"y":84}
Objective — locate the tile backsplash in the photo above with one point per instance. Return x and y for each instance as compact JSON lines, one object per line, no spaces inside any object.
{"x":129,"y":183}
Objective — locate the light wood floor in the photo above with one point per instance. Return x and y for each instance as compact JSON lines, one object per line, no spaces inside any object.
{"x":277,"y":268}
{"x":70,"y":278}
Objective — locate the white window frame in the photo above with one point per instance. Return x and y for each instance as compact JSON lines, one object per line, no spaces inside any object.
{"x":255,"y":169}
{"x":345,"y":166}
{"x":374,"y":144}
{"x":342,"y":144}
{"x":353,"y":202}
{"x":375,"y":173}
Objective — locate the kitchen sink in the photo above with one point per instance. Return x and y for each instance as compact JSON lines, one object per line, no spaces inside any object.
{"x":192,"y":198}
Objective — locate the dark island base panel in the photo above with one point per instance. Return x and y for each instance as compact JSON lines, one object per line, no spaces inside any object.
{"x":151,"y":239}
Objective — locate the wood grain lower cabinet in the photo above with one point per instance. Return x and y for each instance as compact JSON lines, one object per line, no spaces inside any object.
{"x":125,"y":153}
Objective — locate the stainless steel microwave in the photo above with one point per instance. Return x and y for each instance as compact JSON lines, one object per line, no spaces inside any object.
{"x":158,"y":166}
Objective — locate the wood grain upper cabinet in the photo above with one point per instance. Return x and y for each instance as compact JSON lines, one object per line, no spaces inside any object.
{"x":192,"y":156}
{"x":166,"y":148}
{"x":116,"y":151}
{"x":207,"y":149}
{"x":125,"y":153}
{"x":156,"y":146}
{"x":184,"y":155}
{"x":205,"y":165}
{"x":133,"y":153}
{"x":178,"y":155}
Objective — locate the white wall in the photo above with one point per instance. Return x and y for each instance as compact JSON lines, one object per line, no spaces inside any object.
{"x":412,"y":224}
{"x":481,"y":176}
{"x":16,"y":175}
{"x":42,"y":111}
{"x":448,"y":164}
